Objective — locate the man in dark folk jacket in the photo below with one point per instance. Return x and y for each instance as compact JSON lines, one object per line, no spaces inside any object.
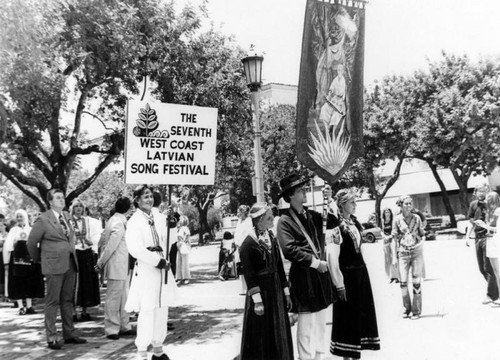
{"x":300,"y":236}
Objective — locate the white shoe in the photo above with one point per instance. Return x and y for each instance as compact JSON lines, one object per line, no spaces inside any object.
{"x":487,"y":300}
{"x":495,"y":303}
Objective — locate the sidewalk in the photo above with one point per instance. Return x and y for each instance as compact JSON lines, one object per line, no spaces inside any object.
{"x":209,"y":314}
{"x":207,"y":321}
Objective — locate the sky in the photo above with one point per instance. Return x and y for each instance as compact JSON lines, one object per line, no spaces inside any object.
{"x":400,"y":34}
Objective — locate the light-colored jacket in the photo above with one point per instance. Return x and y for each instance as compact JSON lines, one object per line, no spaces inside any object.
{"x":148,"y":289}
{"x":114,"y":257}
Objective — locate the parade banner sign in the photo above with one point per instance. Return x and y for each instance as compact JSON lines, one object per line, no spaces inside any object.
{"x":330,"y":97}
{"x":170,"y":144}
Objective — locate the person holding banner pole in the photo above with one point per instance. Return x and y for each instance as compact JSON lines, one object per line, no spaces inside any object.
{"x":300,"y":236}
{"x":150,"y":295}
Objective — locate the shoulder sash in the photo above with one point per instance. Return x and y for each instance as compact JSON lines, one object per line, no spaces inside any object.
{"x":306,"y":235}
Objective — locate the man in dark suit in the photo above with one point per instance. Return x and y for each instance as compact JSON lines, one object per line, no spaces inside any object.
{"x":52,"y":242}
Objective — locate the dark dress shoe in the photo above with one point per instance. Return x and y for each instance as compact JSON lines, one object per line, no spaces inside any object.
{"x":30,"y":311}
{"x":130,"y":332}
{"x":75,"y":340}
{"x":54,"y":345}
{"x":85,"y":317}
{"x":113,"y":336}
{"x":161,"y":357}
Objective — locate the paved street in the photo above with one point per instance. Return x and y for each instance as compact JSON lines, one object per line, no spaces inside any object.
{"x":208,"y":316}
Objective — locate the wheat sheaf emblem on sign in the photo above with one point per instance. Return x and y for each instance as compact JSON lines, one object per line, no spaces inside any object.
{"x":147,"y":124}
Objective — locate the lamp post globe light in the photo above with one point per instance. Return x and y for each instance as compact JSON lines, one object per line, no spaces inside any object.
{"x":253,"y":74}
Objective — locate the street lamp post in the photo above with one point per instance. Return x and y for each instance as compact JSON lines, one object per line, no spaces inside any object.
{"x":253,"y":73}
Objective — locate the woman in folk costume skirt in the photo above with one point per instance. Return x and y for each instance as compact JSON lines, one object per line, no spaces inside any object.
{"x":150,"y":293}
{"x":25,"y":280}
{"x":87,"y":283}
{"x":266,"y":326}
{"x":354,"y":320}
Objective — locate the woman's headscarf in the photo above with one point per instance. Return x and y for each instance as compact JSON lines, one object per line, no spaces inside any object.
{"x":258,"y":210}
{"x":24,"y":214}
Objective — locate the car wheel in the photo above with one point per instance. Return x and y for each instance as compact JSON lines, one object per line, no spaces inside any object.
{"x":369,"y":238}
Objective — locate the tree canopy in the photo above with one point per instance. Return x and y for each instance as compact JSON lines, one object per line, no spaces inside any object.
{"x":278,"y":146}
{"x":458,"y":124}
{"x":80,"y":60}
{"x":447,"y":115}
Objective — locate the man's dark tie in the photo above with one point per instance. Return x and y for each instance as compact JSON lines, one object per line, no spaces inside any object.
{"x":63,"y":224}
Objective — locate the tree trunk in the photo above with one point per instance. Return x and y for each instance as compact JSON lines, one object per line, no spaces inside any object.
{"x":462,"y":180}
{"x":378,"y":212}
{"x":444,"y":193}
{"x":203,"y":221}
{"x":379,"y":196}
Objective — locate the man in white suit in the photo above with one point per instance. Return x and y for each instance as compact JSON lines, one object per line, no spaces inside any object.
{"x":114,"y":261}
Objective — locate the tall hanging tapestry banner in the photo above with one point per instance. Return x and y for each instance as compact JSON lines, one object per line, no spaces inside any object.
{"x":330,"y":98}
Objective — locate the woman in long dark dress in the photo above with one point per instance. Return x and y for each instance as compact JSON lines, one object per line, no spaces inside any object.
{"x":354,"y":320}
{"x":87,"y":287}
{"x":266,"y":326}
{"x":25,"y":277}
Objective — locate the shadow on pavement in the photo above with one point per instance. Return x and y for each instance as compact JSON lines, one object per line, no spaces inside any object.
{"x":203,"y":325}
{"x":438,"y":315}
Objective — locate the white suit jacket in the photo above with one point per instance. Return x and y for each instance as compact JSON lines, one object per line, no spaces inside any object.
{"x":114,"y":257}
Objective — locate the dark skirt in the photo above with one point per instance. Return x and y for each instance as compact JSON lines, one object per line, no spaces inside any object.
{"x":354,"y":321}
{"x":172,"y":257}
{"x":268,"y":336}
{"x":25,"y":281}
{"x":87,"y":288}
{"x":2,"y":275}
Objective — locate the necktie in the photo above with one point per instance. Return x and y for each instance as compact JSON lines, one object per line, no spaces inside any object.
{"x":63,"y":224}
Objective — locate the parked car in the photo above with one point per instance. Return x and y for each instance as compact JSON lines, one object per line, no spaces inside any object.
{"x":371,"y":233}
{"x":430,"y":234}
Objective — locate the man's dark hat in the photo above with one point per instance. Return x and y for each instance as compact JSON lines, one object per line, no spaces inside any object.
{"x":227,"y":236}
{"x":290,"y":182}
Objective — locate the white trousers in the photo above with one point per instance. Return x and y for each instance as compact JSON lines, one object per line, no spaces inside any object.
{"x":115,"y":317}
{"x":311,"y":334}
{"x":151,"y":328}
